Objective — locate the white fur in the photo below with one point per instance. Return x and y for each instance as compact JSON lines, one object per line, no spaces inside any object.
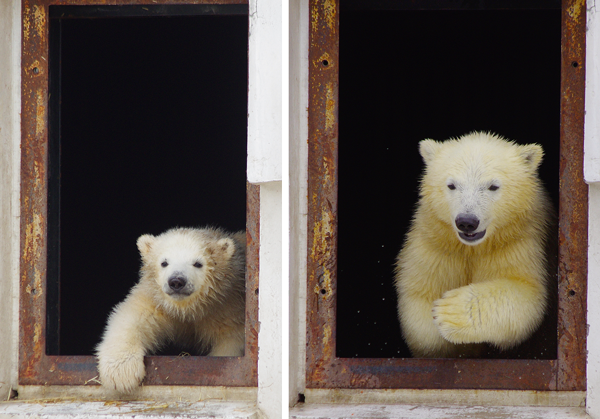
{"x":208,"y":312}
{"x":455,"y":292}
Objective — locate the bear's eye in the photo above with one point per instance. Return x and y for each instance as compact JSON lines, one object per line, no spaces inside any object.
{"x":451,"y":186}
{"x":494,"y":188}
{"x":197,"y":265}
{"x":164,"y":264}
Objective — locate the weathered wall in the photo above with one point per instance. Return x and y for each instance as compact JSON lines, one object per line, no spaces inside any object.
{"x":592,"y":176}
{"x":10,"y":107}
{"x":298,"y":178}
{"x":270,"y":302}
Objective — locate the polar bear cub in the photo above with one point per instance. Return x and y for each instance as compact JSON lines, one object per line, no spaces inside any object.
{"x":474,"y":268}
{"x":191,"y":291}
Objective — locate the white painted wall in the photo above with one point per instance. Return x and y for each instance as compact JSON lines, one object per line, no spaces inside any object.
{"x":270,"y":302}
{"x":264,"y":94}
{"x":298,"y":191}
{"x":10,"y":133}
{"x":592,"y":95}
{"x":265,"y":168}
{"x":592,"y":176}
{"x":593,"y":340}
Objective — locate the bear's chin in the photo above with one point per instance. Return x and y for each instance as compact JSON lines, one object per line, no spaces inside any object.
{"x":180,"y":296}
{"x":472,"y":239}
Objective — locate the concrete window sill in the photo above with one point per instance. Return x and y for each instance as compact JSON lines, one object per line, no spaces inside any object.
{"x":366,"y":411}
{"x":121,"y":410}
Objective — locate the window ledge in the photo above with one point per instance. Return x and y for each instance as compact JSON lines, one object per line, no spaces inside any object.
{"x":138,"y":409}
{"x":308,"y":411}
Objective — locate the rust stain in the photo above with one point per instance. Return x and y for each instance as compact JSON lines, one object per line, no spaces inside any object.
{"x":323,"y":286}
{"x":26,"y":25}
{"x":330,"y":10}
{"x":37,"y":334}
{"x":39,"y":172}
{"x":33,"y":235}
{"x":36,"y":65}
{"x":330,"y":117}
{"x":322,"y":233}
{"x":31,"y":252}
{"x":324,"y":57}
{"x":576,"y":8}
{"x":314,"y":18}
{"x":39,"y":18}
{"x":40,"y":119}
{"x":326,"y":335}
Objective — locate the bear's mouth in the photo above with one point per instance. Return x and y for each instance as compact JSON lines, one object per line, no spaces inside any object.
{"x":472,"y":237}
{"x":179,"y":294}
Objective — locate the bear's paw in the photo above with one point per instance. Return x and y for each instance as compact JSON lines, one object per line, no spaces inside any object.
{"x":123,"y":374}
{"x":457,"y":316}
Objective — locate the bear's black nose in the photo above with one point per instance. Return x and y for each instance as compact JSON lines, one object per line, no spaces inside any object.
{"x":467,"y":223}
{"x":176,"y":283}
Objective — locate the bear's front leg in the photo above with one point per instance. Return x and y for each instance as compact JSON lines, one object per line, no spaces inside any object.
{"x":502,"y":312}
{"x":132,"y":331}
{"x":231,"y":344}
{"x":420,"y":332}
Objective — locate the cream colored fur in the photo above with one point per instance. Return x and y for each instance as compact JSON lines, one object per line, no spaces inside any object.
{"x":209,"y":315}
{"x":454,"y":294}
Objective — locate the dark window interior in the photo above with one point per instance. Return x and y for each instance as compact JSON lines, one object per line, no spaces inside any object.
{"x":409,"y":74}
{"x":147,"y":132}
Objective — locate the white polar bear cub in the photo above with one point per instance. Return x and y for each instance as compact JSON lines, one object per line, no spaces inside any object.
{"x":473,"y":268}
{"x":191,"y":291}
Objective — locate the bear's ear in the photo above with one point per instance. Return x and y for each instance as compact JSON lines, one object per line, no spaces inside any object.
{"x":144,"y":243}
{"x":532,"y":154}
{"x":223,"y":248}
{"x":428,"y":149}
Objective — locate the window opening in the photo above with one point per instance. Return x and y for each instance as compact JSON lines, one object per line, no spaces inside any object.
{"x":388,"y":88}
{"x":439,"y":74}
{"x":147,"y":116}
{"x":151,"y":134}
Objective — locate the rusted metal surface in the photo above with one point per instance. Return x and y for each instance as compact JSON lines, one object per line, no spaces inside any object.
{"x":324,"y":369}
{"x":35,"y":367}
{"x":34,"y":150}
{"x":437,"y":374}
{"x":573,"y":209}
{"x":322,"y":191}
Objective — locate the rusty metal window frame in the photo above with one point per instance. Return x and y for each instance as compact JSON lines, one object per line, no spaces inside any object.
{"x":324,"y":369}
{"x":35,"y":367}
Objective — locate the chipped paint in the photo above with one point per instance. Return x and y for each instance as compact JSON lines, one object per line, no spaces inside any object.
{"x":26,"y":25}
{"x":39,"y":19}
{"x":575,"y":9}
{"x":330,"y":9}
{"x":330,"y":107}
{"x":40,"y":125}
{"x":314,"y":15}
{"x":33,"y":237}
{"x":37,"y":334}
{"x":34,"y":20}
{"x":326,"y":334}
{"x":322,"y":235}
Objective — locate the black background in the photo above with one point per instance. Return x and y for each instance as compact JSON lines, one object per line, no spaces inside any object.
{"x":153,"y":115}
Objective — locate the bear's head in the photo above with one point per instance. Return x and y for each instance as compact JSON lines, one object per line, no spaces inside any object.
{"x":480,"y":184}
{"x":184,"y":263}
